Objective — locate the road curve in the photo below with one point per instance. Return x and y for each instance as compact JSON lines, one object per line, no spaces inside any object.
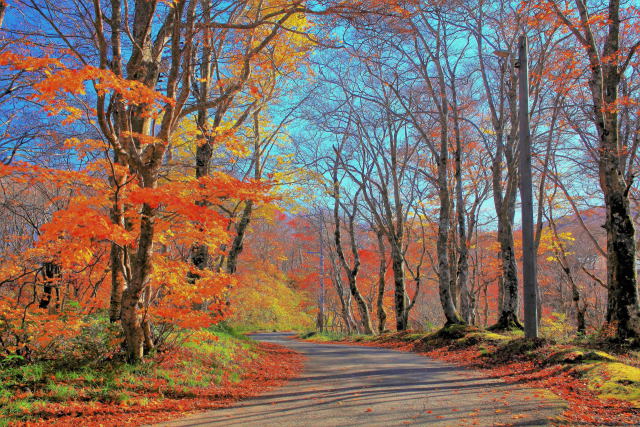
{"x":346,"y":385}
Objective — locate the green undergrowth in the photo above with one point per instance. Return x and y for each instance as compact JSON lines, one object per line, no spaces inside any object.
{"x":197,"y":360}
{"x":611,"y":374}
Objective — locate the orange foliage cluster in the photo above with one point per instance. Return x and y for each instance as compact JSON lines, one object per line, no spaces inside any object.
{"x":78,"y":239}
{"x":54,"y":89}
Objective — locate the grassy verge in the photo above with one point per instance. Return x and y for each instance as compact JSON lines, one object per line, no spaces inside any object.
{"x":600,"y":387}
{"x":209,"y":368}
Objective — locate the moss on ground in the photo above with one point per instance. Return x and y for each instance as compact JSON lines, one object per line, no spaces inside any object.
{"x":573,"y":355}
{"x":614,"y":380}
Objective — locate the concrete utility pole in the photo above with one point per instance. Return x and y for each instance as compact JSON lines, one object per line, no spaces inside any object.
{"x":529,"y":258}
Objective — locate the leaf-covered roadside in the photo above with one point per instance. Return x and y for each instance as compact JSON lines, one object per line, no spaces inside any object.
{"x":211,"y":369}
{"x":599,"y":388}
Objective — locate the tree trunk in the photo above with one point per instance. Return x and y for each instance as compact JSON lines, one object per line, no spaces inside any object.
{"x":117,"y":282}
{"x":382,"y":269}
{"x":463,"y":298}
{"x":117,"y":255}
{"x":132,"y":316}
{"x":580,"y":318}
{"x":351,"y":272}
{"x":623,"y":307}
{"x":345,"y":297}
{"x":504,"y":201}
{"x":200,"y":253}
{"x":509,"y":280}
{"x":400,"y":292}
{"x":453,"y":262}
{"x":50,"y":272}
{"x":442,"y":245}
{"x":132,"y":326}
{"x":365,"y":318}
{"x":237,"y":245}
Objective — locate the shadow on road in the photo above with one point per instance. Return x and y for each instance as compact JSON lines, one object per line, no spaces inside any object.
{"x":351,"y":385}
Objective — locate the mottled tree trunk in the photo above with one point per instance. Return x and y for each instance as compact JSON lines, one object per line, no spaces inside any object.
{"x":132,"y":316}
{"x":453,"y":262}
{"x":351,"y":272}
{"x":580,"y":310}
{"x":3,"y":11}
{"x":343,"y":295}
{"x":462,"y":272}
{"x":382,"y":269}
{"x":503,"y":108}
{"x":117,"y":282}
{"x":400,"y":292}
{"x":623,"y":307}
{"x":345,"y":301}
{"x":200,"y":253}
{"x":365,"y":318}
{"x":118,"y":264}
{"x":508,"y":318}
{"x":442,"y":246}
{"x":238,"y":241}
{"x":117,"y":254}
{"x":504,"y":200}
{"x":461,"y":264}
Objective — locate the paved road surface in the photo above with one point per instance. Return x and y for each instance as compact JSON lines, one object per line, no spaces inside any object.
{"x":356,"y":386}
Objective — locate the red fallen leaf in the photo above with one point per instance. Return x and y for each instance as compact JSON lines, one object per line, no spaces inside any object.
{"x":454,"y":410}
{"x":369,"y":410}
{"x":439,"y":416}
{"x":429,"y":412}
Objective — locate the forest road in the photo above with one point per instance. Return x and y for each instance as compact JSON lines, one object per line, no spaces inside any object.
{"x":344,"y":385}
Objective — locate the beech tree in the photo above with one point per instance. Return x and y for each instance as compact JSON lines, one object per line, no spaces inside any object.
{"x":350,"y":271}
{"x":608,"y":61}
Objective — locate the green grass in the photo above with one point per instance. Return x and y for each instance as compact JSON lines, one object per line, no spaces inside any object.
{"x":203,"y":358}
{"x":60,"y":392}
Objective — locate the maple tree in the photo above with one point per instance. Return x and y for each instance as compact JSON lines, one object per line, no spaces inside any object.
{"x":137,"y":113}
